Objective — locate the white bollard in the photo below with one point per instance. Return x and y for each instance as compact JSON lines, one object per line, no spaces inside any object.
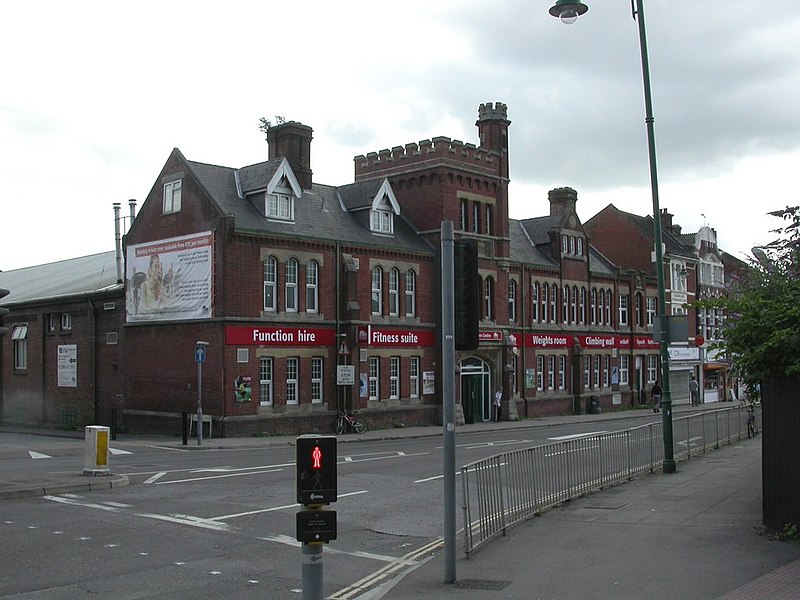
{"x":96,"y":450}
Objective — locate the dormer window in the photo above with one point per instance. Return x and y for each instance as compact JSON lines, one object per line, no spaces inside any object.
{"x":382,"y":220}
{"x":280,"y":206}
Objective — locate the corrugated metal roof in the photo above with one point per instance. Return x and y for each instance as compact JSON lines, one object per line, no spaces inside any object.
{"x":72,"y":277}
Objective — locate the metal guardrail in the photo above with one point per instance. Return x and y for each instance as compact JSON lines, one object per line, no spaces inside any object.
{"x":506,"y":488}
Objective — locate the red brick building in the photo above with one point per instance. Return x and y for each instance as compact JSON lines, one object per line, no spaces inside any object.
{"x":314,"y":298}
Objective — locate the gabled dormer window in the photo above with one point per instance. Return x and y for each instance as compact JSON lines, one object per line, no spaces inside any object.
{"x":280,"y":205}
{"x":382,"y":220}
{"x":384,"y":208}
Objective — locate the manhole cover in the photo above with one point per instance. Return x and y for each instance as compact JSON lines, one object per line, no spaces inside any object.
{"x":481,"y":584}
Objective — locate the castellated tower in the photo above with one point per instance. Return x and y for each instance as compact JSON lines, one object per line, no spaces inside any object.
{"x":444,"y":179}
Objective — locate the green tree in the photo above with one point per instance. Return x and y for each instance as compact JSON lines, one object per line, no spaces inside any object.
{"x":761,"y":333}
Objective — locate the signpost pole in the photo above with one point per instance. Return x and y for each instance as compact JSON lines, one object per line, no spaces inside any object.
{"x":200,"y":358}
{"x":448,"y":402}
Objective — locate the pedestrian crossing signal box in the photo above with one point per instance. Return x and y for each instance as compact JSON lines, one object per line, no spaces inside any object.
{"x":316,"y":469}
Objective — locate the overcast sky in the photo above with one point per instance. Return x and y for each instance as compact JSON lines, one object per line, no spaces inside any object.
{"x":96,"y":94}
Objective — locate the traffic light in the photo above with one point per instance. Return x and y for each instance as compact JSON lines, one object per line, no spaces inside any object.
{"x":316,"y":469}
{"x":3,"y":312}
{"x":467,"y":294}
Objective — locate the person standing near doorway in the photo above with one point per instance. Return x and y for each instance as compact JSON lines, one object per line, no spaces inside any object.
{"x":498,"y":407}
{"x":656,"y":393}
{"x":694,"y":391}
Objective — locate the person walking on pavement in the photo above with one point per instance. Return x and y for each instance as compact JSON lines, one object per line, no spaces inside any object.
{"x":498,"y":408}
{"x":656,"y":393}
{"x":694,"y":389}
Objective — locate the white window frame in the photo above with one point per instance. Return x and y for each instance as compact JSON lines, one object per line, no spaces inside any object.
{"x":413,"y":376}
{"x":512,"y":300}
{"x":292,"y":381}
{"x":377,"y":291}
{"x":374,"y":378}
{"x":270,"y":284}
{"x":650,"y":304}
{"x":624,"y":308}
{"x":540,"y":373}
{"x":172,"y":197}
{"x":624,"y":369}
{"x":317,"y":370}
{"x":290,"y":285}
{"x":596,"y":372}
{"x":606,"y":370}
{"x":265,"y":373}
{"x":553,"y":303}
{"x":551,"y":375}
{"x":411,"y":293}
{"x":394,"y":292}
{"x":312,"y":286}
{"x":394,"y":377}
{"x":587,"y":371}
{"x":652,"y":368}
{"x":535,"y":302}
{"x":279,"y":206}
{"x":488,"y":297}
{"x":562,"y":371}
{"x":66,"y":322}
{"x":19,"y":338}
{"x":382,"y":221}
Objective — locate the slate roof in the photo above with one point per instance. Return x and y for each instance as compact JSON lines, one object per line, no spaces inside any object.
{"x":73,"y":277}
{"x":320,"y":213}
{"x":523,"y":248}
{"x":672,"y":244}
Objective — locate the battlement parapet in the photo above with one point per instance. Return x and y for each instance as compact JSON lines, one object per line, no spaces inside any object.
{"x":424,"y":151}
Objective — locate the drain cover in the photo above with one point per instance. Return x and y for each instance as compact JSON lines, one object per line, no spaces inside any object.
{"x":481,"y":584}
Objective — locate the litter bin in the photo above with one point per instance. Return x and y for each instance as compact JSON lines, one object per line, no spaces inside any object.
{"x":594,"y":403}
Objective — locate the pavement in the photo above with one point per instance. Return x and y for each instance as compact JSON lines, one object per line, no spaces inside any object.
{"x":693,"y":534}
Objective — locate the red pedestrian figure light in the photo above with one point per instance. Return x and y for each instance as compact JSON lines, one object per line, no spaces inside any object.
{"x":316,"y":456}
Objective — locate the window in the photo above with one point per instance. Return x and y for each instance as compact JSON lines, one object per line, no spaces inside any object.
{"x":623,"y":308}
{"x":545,"y":289}
{"x":242,"y":356}
{"x":580,"y":247}
{"x":540,"y":373}
{"x":413,"y":377}
{"x":553,"y":302}
{"x":280,"y":206}
{"x":564,"y":244}
{"x":382,"y":221}
{"x":270,"y":283}
{"x":565,"y":305}
{"x":411,"y":293}
{"x":172,"y":197}
{"x":265,"y":382}
{"x":66,"y":322}
{"x":476,"y":217}
{"x":678,"y":277}
{"x":600,"y":307}
{"x":606,"y":369}
{"x":374,"y":374}
{"x":312,"y":287}
{"x":551,"y":365}
{"x":593,"y":305}
{"x":316,"y":380}
{"x":596,"y":378}
{"x":535,"y":302}
{"x":652,"y":368}
{"x":587,"y":368}
{"x":112,"y":338}
{"x":292,"y":369}
{"x":394,"y":377}
{"x":609,"y":301}
{"x":639,"y":320}
{"x":51,"y":323}
{"x":464,"y":211}
{"x":377,"y":291}
{"x":394,"y":292}
{"x":512,"y":300}
{"x":571,"y":244}
{"x":19,"y":337}
{"x":650,"y":304}
{"x":574,"y":304}
{"x":583,"y":306}
{"x":488,"y":298}
{"x":562,"y":370}
{"x":624,"y":369}
{"x":292,"y":267}
{"x":489,"y":219}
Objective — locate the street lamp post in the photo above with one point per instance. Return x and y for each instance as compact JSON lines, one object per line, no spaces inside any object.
{"x":569,"y":11}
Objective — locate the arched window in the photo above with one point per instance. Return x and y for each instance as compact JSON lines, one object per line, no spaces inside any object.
{"x":583,"y":304}
{"x":270,"y":283}
{"x":312,"y":287}
{"x":593,"y":305}
{"x":553,"y":303}
{"x":601,"y":308}
{"x":565,"y":304}
{"x":292,"y":267}
{"x":545,"y":295}
{"x":488,"y":298}
{"x":411,"y":293}
{"x":394,"y":292}
{"x":574,"y":303}
{"x":377,"y":291}
{"x":512,"y":300}
{"x":535,"y":302}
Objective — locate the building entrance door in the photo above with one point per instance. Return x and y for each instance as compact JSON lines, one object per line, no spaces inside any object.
{"x":476,"y":387}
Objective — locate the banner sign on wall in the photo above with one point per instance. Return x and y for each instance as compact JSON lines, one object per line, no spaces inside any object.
{"x":237,"y":335}
{"x":170,"y":279}
{"x":375,"y":336}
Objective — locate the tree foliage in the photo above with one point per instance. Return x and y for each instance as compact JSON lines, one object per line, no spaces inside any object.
{"x":761,"y":333}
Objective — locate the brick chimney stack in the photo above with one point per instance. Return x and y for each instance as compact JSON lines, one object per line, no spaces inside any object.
{"x":562,"y":200}
{"x":292,"y":140}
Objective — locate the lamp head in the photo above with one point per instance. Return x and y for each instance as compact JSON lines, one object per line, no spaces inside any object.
{"x":568,"y":10}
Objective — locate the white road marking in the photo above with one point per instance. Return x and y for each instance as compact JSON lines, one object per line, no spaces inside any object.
{"x":216,"y":477}
{"x":117,"y":451}
{"x":117,"y":504}
{"x":274,"y":508}
{"x":37,"y":455}
{"x":290,"y":541}
{"x":155,"y":477}
{"x":576,"y":436}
